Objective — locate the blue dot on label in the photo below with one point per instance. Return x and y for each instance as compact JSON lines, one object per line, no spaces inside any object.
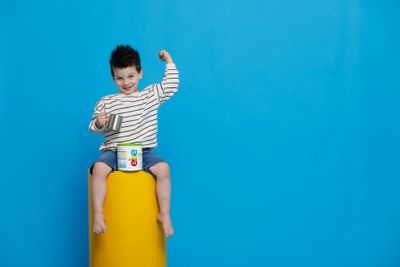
{"x":133,"y":152}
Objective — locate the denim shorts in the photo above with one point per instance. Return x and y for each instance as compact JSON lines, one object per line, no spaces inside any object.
{"x":109,"y":157}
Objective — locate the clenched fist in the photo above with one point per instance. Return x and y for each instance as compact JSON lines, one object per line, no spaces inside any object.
{"x":164,"y":56}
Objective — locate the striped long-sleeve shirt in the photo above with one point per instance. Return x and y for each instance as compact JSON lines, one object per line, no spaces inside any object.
{"x":139,"y":111}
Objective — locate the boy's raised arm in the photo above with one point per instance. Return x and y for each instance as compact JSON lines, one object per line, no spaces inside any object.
{"x":169,"y":85}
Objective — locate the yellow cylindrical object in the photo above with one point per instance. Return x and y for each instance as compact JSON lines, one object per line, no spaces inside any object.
{"x":133,"y":236}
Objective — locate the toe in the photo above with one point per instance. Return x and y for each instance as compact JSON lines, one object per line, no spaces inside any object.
{"x":169,"y":233}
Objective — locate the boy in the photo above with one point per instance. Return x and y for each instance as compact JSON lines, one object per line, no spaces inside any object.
{"x":139,"y":125}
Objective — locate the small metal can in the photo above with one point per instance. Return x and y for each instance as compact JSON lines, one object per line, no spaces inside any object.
{"x":114,"y":122}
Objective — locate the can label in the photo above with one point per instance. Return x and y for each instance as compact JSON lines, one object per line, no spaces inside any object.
{"x":129,"y":157}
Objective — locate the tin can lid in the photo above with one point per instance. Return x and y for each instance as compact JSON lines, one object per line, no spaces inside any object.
{"x":132,"y":144}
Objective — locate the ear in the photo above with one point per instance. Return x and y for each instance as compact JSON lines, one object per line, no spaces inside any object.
{"x":140,"y":73}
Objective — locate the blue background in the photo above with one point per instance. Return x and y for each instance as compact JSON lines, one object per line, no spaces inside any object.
{"x":283,"y":139}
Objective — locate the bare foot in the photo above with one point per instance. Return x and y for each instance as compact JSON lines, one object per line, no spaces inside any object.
{"x":98,"y":224}
{"x":166,"y":224}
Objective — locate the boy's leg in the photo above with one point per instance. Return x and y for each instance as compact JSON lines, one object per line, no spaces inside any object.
{"x":163,"y":188}
{"x":100,"y":172}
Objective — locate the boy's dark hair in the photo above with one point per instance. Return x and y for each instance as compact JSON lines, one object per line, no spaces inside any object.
{"x":124,"y":56}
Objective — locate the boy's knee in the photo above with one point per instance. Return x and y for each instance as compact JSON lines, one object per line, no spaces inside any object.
{"x":101,"y":168}
{"x":160,"y":169}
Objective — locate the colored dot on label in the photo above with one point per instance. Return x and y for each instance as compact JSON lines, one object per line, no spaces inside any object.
{"x":134,"y":152}
{"x":134,"y":163}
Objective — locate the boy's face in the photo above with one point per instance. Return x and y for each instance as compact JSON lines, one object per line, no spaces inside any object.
{"x":127,"y":79}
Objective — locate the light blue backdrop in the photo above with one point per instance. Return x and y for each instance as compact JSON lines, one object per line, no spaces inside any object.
{"x":283,"y":139}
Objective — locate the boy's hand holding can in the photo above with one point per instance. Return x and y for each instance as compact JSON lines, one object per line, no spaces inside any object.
{"x":101,"y":120}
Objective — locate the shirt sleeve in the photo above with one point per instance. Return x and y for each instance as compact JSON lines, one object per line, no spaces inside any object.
{"x":169,"y":85}
{"x":99,"y":107}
